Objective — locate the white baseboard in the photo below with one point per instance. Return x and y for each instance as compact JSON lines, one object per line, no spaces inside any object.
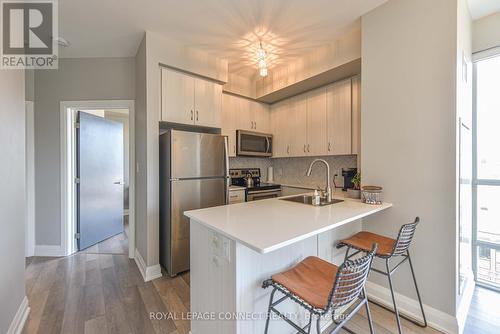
{"x":436,"y":319}
{"x":49,"y":250}
{"x":17,"y":324}
{"x":463,"y":307}
{"x":148,"y":273}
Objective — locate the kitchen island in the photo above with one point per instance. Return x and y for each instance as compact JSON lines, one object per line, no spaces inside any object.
{"x":236,"y":247}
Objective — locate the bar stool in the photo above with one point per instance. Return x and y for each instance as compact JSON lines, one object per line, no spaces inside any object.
{"x":388,"y":249}
{"x":320,"y":287}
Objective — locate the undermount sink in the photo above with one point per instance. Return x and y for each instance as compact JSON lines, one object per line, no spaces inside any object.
{"x":307,"y":199}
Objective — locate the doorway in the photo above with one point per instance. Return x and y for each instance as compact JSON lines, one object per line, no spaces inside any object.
{"x":97,"y":179}
{"x":486,"y":173}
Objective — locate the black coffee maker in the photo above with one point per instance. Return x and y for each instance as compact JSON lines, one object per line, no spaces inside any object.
{"x":348,"y":174}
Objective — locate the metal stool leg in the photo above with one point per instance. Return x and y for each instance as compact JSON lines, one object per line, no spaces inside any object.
{"x":269,"y":310}
{"x":318,"y":327}
{"x":347,"y":253}
{"x":392,"y":295}
{"x":368,"y":313}
{"x":416,"y":288}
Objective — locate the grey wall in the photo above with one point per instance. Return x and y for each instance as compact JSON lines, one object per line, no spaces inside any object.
{"x":76,"y":79}
{"x":140,"y":152}
{"x":408,"y":114}
{"x":12,"y":194}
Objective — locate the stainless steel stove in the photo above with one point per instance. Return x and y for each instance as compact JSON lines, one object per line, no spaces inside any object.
{"x":257,"y":191}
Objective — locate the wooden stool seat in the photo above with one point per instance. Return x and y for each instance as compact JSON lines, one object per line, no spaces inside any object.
{"x":364,"y":241}
{"x":311,"y":280}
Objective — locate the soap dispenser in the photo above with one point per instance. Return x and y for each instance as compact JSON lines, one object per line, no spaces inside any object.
{"x":316,"y":200}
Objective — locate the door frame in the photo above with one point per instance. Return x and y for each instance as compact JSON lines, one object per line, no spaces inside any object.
{"x":68,"y":171}
{"x":30,"y":179}
{"x":477,"y":57}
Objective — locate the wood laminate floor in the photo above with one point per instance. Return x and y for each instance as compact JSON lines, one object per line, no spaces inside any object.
{"x":484,"y":312}
{"x":104,"y":293}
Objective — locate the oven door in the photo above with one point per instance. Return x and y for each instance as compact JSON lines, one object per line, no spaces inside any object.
{"x":254,"y":144}
{"x":263,"y":194}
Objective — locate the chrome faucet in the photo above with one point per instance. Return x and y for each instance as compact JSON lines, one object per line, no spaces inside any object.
{"x":328,"y":189}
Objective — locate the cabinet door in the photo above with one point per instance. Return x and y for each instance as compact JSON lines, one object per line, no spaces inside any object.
{"x":245,"y":115}
{"x":339,"y":118}
{"x":228,"y":122}
{"x":177,"y":97}
{"x":261,"y":117}
{"x":298,"y":126}
{"x":316,"y":122}
{"x":356,"y":116}
{"x":208,"y":100}
{"x":281,"y":147}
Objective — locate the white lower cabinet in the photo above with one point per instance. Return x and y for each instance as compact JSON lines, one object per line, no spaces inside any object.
{"x":236,"y":196}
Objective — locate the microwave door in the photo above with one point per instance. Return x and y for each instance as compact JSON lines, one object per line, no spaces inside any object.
{"x":254,"y":144}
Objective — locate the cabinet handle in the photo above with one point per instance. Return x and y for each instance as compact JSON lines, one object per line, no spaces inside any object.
{"x":308,"y":146}
{"x":329,"y":147}
{"x":197,"y":114}
{"x":234,"y":149}
{"x":288,"y":149}
{"x":191,"y":115}
{"x":304,"y":148}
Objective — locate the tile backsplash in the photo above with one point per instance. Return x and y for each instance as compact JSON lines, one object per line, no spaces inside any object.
{"x":293,"y":170}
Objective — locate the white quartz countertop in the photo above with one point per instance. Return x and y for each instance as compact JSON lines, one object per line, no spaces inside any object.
{"x":268,"y":225}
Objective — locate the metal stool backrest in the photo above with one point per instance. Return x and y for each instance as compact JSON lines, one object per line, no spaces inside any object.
{"x":405,"y":236}
{"x":350,"y":280}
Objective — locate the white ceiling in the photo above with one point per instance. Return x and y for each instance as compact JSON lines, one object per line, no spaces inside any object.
{"x":226,"y":28}
{"x":481,"y":8}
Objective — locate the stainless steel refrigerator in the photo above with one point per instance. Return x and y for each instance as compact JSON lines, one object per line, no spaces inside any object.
{"x":194,"y":174}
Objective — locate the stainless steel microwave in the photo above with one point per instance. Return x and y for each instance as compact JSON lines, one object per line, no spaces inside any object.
{"x":254,"y":144}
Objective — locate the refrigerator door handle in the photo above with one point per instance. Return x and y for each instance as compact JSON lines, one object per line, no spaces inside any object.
{"x":228,"y":178}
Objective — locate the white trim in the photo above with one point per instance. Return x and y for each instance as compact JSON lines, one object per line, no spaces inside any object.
{"x":30,"y":180}
{"x":488,"y":53}
{"x":436,"y":319}
{"x":49,"y":250}
{"x":463,"y":307}
{"x":68,"y":221}
{"x":148,"y":273}
{"x":17,"y":324}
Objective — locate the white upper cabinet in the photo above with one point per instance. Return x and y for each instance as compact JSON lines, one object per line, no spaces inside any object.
{"x":207,"y":101}
{"x":281,"y":134}
{"x":239,"y":113}
{"x":252,"y":115}
{"x":261,"y":117}
{"x":316,"y":122}
{"x":244,"y":114}
{"x":228,"y":122}
{"x":177,"y":97}
{"x":189,"y":100}
{"x":356,"y":116}
{"x":339,"y":118}
{"x":295,"y":123}
{"x":321,"y":122}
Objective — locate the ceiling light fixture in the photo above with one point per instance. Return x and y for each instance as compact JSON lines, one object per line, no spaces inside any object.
{"x":261,"y":57}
